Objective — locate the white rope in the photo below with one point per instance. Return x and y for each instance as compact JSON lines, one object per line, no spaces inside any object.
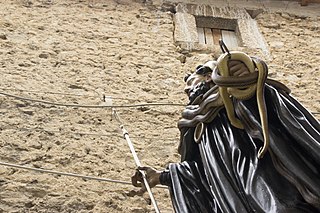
{"x":27,"y":129}
{"x":65,"y":94}
{"x":89,"y":106}
{"x":68,"y":174}
{"x":46,"y":92}
{"x":99,"y":106}
{"x":63,"y":173}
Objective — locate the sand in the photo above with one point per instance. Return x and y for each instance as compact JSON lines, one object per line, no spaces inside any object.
{"x":77,"y":53}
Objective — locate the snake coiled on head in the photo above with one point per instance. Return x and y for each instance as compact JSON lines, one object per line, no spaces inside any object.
{"x":243,"y":88}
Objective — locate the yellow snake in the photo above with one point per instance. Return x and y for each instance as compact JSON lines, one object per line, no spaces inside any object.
{"x":243,"y":88}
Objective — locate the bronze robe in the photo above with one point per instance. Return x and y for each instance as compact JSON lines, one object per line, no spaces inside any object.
{"x":223,"y":174}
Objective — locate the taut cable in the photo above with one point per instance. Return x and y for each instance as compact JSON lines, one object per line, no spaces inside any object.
{"x":86,"y":177}
{"x":88,"y":106}
{"x":63,"y":173}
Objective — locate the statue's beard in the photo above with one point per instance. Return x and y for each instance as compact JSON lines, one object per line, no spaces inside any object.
{"x":200,"y":89}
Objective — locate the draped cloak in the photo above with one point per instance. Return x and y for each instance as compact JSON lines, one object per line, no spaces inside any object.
{"x":222,"y":172}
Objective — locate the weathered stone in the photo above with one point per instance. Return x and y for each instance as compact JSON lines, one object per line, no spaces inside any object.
{"x":3,"y":36}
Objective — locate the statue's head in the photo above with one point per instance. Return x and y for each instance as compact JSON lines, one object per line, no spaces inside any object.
{"x":199,"y":82}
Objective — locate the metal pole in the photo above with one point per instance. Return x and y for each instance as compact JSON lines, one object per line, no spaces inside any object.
{"x":136,"y":159}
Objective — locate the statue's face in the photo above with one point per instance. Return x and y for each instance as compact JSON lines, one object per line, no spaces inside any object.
{"x":193,"y":80}
{"x":197,"y":84}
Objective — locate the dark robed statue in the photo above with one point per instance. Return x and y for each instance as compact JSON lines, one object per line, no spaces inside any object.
{"x":246,"y":145}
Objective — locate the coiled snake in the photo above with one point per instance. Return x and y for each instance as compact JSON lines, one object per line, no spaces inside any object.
{"x":243,"y":88}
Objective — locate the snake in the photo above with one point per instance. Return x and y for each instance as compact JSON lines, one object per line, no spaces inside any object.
{"x":243,"y":88}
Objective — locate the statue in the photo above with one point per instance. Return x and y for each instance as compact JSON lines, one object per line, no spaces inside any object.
{"x":242,"y":151}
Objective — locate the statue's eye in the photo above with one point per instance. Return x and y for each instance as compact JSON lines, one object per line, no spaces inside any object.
{"x":186,"y":77}
{"x":206,"y":70}
{"x":199,"y":69}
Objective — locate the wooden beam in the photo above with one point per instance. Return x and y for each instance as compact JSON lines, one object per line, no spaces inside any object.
{"x":216,"y":36}
{"x":230,"y":39}
{"x":306,"y":2}
{"x":201,"y":39}
{"x":209,"y":36}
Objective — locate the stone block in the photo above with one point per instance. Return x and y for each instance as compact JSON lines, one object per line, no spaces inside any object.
{"x":250,"y":34}
{"x":185,"y":28}
{"x":245,"y":4}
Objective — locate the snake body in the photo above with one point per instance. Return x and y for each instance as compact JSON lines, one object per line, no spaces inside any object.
{"x":243,"y":88}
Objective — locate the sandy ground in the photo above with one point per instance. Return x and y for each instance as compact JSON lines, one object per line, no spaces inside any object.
{"x":77,"y":52}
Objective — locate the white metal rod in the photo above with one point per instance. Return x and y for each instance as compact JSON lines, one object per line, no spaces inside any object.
{"x":137,"y":161}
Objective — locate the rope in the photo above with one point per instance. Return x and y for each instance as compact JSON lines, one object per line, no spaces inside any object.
{"x":46,"y":92}
{"x":69,"y":174}
{"x":98,"y":106}
{"x":89,"y":106}
{"x":63,"y":94}
{"x":85,"y":133}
